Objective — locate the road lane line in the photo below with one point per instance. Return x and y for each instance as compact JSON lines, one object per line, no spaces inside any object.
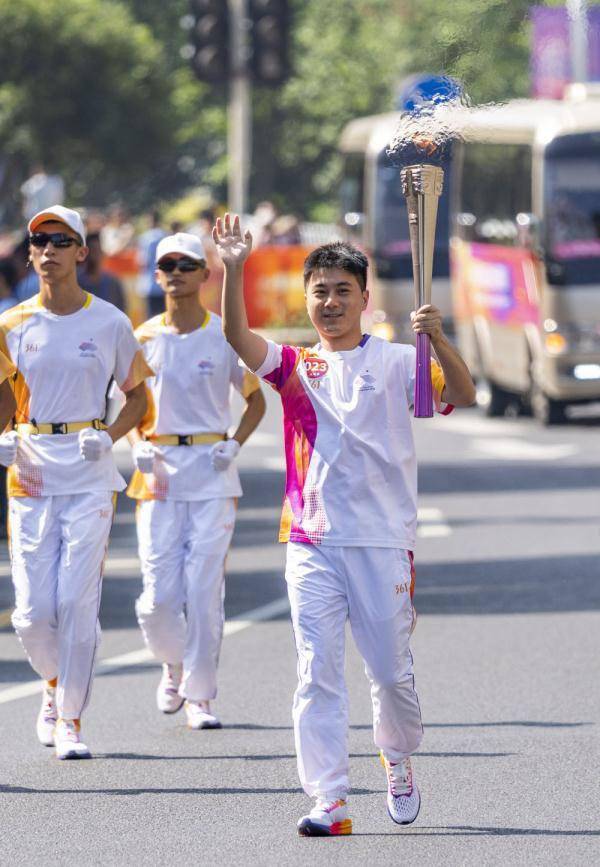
{"x":432,"y":531}
{"x":523,"y":450}
{"x":431,"y":523}
{"x":142,"y":656}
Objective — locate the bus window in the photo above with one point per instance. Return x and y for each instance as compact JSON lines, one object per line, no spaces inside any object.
{"x":572,"y":209}
{"x":352,"y":193}
{"x":496,"y":186}
{"x":390,"y":223}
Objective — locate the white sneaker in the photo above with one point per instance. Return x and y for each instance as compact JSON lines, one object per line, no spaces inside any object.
{"x":403,"y":799}
{"x":326,"y":819}
{"x":47,"y":717}
{"x":199,"y":716}
{"x":68,"y":742}
{"x":168,"y":699}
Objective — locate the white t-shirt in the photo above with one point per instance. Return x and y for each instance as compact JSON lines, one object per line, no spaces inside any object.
{"x":351,"y":463}
{"x":65,"y":365}
{"x":190,"y":393}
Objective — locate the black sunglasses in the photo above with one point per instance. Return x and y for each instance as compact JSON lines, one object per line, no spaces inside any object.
{"x":184,"y":264}
{"x":57,"y":239}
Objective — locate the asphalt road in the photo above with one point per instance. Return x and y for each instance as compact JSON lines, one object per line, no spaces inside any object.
{"x":507,"y":652}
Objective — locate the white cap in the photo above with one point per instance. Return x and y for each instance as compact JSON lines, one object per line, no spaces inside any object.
{"x":181,"y":242}
{"x":59,"y":214}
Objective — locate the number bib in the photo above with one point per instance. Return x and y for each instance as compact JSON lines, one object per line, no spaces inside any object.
{"x":315,"y":367}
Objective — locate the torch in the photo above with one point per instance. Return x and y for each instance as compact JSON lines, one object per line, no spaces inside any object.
{"x":422,"y":186}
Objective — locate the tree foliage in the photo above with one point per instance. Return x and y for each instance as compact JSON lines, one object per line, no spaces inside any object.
{"x":83,"y":91}
{"x":99,"y":89}
{"x":349,"y":57}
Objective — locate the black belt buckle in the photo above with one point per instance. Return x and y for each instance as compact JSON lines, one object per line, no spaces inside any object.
{"x":59,"y":427}
{"x":184,"y":440}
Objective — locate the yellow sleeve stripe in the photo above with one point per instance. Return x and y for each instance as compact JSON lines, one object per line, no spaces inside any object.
{"x":148,"y":330}
{"x":16,"y":317}
{"x":250,"y":384}
{"x":138,"y":372}
{"x":7,"y":368}
{"x":437,"y":377}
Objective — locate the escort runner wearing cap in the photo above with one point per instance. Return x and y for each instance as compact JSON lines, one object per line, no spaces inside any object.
{"x":182,"y":243}
{"x":186,"y":481}
{"x":349,"y":514}
{"x":59,"y":214}
{"x":67,"y":347}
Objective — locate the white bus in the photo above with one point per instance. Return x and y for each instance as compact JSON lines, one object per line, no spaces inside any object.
{"x":525,"y":252}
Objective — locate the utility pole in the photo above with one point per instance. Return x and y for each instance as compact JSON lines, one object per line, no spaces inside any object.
{"x":231,"y":44}
{"x":239,"y":127}
{"x":578,"y":26}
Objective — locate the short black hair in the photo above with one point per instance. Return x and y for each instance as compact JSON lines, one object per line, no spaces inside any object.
{"x":341,"y":255}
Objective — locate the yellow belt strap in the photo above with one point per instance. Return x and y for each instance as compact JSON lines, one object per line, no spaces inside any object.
{"x":66,"y":427}
{"x":186,"y":439}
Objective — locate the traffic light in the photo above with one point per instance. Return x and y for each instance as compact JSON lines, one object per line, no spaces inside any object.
{"x":270,"y":20}
{"x":209,"y":38}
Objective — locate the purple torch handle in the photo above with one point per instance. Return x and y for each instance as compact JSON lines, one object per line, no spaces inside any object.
{"x":423,"y":385}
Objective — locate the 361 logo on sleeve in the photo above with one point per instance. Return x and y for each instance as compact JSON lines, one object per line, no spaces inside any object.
{"x":315,"y":367}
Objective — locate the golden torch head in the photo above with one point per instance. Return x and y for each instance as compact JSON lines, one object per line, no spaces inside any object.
{"x":422,"y":186}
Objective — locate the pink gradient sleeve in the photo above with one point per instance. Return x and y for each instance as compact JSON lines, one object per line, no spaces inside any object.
{"x":279,"y":364}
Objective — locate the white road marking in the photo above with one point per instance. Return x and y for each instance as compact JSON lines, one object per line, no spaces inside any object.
{"x":272,"y":463}
{"x":140,"y":657}
{"x":124,"y":518}
{"x":431,"y":523}
{"x":430,"y":531}
{"x":473,"y":425}
{"x":522,"y":450}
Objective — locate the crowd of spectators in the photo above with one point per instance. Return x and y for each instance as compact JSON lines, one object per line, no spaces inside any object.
{"x":120,"y":266}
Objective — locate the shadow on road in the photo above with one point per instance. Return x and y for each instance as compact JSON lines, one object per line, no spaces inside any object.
{"x":269,"y":757}
{"x":519,"y":586}
{"x":243,"y":592}
{"x":26,"y":790}
{"x":503,"y":475}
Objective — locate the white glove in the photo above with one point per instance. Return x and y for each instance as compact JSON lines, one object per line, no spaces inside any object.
{"x":94,"y":443}
{"x":223,"y":453}
{"x":143,"y":454}
{"x":8,"y":448}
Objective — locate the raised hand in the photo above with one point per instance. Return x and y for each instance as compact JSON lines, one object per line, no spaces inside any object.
{"x":231,"y":246}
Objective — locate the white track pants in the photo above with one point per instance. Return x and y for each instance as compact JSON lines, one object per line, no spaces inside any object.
{"x":182,"y":548}
{"x":370,"y":587}
{"x":58,"y":546}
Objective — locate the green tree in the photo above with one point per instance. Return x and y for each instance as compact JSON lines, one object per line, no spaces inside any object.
{"x":348,"y":58}
{"x":83,"y":91}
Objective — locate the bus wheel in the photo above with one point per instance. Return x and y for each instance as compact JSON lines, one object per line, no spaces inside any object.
{"x":492,"y":399}
{"x":546,"y":410}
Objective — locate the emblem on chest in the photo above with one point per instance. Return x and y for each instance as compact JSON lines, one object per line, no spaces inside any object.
{"x":88,"y":349}
{"x":206,"y":367}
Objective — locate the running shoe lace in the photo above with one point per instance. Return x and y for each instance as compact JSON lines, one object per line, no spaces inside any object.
{"x":400,"y":777}
{"x":329,"y":806}
{"x":70,"y":731}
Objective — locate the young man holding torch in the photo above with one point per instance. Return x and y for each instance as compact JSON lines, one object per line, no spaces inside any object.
{"x":186,"y":481}
{"x":67,"y":347}
{"x":349,"y":514}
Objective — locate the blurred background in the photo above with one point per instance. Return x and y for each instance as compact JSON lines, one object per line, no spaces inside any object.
{"x":151,"y":117}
